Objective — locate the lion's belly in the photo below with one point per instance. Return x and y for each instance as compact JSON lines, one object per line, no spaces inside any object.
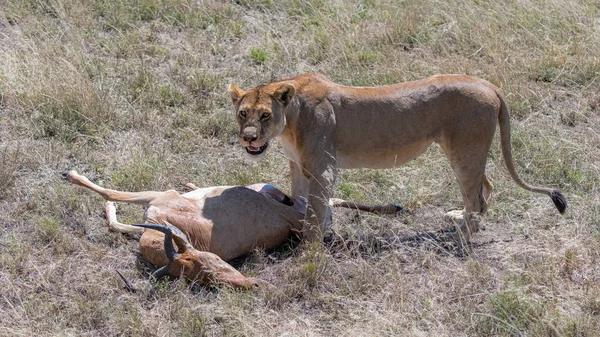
{"x":379,"y":158}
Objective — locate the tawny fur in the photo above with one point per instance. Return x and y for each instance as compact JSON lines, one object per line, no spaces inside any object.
{"x":220,"y":224}
{"x":324,"y":126}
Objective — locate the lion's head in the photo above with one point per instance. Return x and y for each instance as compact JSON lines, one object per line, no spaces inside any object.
{"x":260,"y":114}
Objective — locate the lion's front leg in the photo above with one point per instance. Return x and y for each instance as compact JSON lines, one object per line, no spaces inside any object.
{"x":317,"y":218}
{"x":300,"y":183}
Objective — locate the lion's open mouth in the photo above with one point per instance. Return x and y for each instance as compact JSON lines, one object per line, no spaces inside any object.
{"x":256,"y":150}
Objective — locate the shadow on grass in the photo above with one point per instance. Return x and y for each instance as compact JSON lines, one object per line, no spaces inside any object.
{"x":370,"y":245}
{"x":343,"y":246}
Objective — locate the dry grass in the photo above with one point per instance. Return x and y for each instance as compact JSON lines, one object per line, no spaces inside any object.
{"x":132,"y":94}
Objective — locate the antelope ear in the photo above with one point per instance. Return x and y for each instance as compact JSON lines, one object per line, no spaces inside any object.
{"x":235,"y":93}
{"x":285,"y":93}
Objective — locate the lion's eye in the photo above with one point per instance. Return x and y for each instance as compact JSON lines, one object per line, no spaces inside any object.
{"x":243,"y":113}
{"x":265,"y":115}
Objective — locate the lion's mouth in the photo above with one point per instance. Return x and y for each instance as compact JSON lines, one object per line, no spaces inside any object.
{"x":256,"y":150}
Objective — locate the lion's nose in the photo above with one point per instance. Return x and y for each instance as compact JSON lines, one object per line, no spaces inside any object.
{"x":249,"y":134}
{"x":249,"y":138}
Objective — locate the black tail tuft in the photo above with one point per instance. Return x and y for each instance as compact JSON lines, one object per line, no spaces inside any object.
{"x":559,"y":201}
{"x":398,"y":207}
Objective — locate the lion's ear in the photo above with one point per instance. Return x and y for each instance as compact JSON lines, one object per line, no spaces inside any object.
{"x":285,"y":93}
{"x":235,"y":93}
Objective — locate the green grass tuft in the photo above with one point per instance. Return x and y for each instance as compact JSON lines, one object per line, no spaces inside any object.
{"x":258,"y":55}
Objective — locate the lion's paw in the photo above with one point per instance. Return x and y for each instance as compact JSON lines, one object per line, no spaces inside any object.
{"x":456,"y":216}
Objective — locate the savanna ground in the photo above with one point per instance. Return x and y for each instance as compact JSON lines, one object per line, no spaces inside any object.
{"x":133,"y":94}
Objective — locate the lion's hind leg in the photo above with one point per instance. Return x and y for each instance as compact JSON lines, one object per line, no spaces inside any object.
{"x":467,"y":220}
{"x":468,"y":159}
{"x":457,"y":216}
{"x":487,"y":190}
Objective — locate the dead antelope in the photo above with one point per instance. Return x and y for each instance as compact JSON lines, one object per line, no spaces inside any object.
{"x":210,"y":226}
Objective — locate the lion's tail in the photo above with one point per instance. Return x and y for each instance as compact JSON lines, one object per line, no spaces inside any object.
{"x":504,"y":120}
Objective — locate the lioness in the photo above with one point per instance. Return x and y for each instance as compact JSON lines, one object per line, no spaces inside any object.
{"x":324,"y":126}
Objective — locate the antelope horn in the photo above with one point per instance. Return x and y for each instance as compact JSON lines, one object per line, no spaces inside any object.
{"x":161,"y":272}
